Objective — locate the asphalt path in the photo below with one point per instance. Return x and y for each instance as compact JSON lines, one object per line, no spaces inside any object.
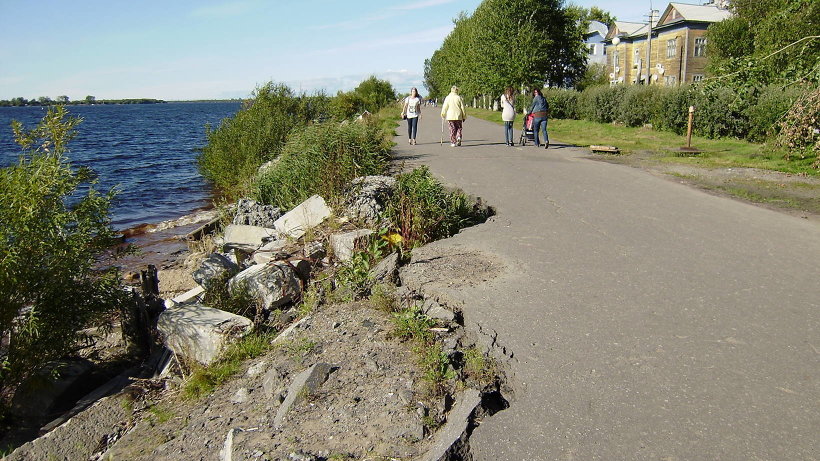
{"x":647,"y":319}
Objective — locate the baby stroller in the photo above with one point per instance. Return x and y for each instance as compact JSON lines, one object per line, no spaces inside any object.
{"x":526,"y":131}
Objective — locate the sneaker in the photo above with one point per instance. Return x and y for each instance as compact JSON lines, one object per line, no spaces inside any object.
{"x":547,"y":146}
{"x":452,"y":144}
{"x":458,"y":141}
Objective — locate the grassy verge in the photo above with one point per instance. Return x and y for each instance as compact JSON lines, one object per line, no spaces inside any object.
{"x":718,"y":153}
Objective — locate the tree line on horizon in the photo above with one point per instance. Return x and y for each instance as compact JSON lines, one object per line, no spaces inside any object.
{"x":64,"y":100}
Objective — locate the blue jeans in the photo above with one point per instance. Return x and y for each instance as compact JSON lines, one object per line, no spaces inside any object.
{"x":508,"y":132}
{"x":412,"y":127}
{"x":537,"y":123}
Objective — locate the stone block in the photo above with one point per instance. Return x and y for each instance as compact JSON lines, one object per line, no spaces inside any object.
{"x":243,"y":236}
{"x":344,"y":245}
{"x":251,"y":213}
{"x":273,"y":285}
{"x":367,"y":196}
{"x":436,"y":311}
{"x":216,"y":265}
{"x":199,"y":332}
{"x":306,"y":215}
{"x":450,"y":441}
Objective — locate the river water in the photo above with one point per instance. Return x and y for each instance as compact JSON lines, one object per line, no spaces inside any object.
{"x":147,"y":151}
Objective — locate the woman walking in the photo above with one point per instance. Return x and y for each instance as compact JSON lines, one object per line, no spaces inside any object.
{"x":412,"y":111}
{"x":539,"y":109}
{"x":508,"y":114}
{"x":453,"y":111}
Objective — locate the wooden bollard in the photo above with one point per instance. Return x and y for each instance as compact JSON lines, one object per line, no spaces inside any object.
{"x":689,"y":129}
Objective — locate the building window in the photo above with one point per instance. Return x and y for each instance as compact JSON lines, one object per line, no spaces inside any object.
{"x":696,"y":78}
{"x":671,"y":48}
{"x":670,"y":80}
{"x":591,"y":48}
{"x":700,"y":46}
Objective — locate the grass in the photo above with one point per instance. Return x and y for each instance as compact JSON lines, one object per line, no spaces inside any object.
{"x":203,"y":380}
{"x":717,"y":153}
{"x":160,"y":414}
{"x":411,"y":324}
{"x":298,"y":347}
{"x":479,"y":367}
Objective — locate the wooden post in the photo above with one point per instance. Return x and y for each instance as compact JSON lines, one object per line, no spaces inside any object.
{"x":689,"y":128}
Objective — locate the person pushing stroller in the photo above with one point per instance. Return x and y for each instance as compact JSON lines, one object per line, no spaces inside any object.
{"x":539,"y":110}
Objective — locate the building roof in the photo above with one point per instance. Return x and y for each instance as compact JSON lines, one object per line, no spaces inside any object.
{"x":623,"y":28}
{"x":678,"y":12}
{"x":597,"y":27}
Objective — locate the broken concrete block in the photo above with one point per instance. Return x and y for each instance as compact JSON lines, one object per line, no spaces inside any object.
{"x":251,"y":213}
{"x":194,"y":294}
{"x":273,"y":284}
{"x":451,"y":440}
{"x":386,"y":271}
{"x":307,"y":214}
{"x":199,"y":332}
{"x":216,"y":265}
{"x":304,"y":384}
{"x":367,"y":196}
{"x":436,"y":311}
{"x":243,"y":236}
{"x":314,"y":250}
{"x":344,"y":245}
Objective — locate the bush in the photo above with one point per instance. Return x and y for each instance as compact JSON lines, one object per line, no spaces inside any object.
{"x":672,"y":111}
{"x":346,"y":105}
{"x":719,"y":112}
{"x":770,"y":107}
{"x":376,"y":94}
{"x":51,"y":237}
{"x":563,"y":103}
{"x":422,"y":210}
{"x":799,"y":132}
{"x":601,"y":103}
{"x":256,"y":134}
{"x":322,"y":159}
{"x":639,"y":104}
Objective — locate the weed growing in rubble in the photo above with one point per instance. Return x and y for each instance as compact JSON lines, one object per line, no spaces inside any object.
{"x":203,"y":380}
{"x":479,"y":367}
{"x":238,"y":300}
{"x":382,"y":297}
{"x":412,"y":324}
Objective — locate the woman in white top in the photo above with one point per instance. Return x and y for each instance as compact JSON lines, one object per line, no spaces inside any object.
{"x":508,"y":114}
{"x":412,"y":111}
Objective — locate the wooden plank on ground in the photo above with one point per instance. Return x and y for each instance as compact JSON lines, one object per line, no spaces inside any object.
{"x":607,"y":149}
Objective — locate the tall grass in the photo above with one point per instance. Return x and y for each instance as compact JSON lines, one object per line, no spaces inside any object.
{"x":322,"y":159}
{"x":255,"y":135}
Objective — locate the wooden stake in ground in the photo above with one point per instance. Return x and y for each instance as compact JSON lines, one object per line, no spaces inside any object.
{"x":689,"y":128}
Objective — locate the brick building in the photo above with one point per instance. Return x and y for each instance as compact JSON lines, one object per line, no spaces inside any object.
{"x":678,"y":46}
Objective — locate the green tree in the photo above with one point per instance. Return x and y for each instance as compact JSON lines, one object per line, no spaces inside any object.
{"x":55,"y":226}
{"x":767,"y":41}
{"x":504,"y":43}
{"x":44,"y":101}
{"x":62,"y":99}
{"x":375,"y":93}
{"x":90,"y":99}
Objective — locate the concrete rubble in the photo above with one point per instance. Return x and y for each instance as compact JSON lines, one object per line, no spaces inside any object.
{"x":216,"y":265}
{"x":367,"y":197}
{"x":310,"y":213}
{"x":303,"y":385}
{"x":343,"y":245}
{"x":248,"y":237}
{"x":199,"y":332}
{"x":252,"y":213}
{"x":273,"y":285}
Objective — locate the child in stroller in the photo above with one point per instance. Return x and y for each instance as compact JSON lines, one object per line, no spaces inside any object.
{"x":526,"y":131}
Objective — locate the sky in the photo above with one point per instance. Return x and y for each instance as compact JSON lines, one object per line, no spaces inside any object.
{"x":220,"y":49}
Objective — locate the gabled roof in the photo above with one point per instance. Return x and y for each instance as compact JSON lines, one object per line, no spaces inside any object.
{"x":597,"y":27}
{"x":623,"y":28}
{"x":678,"y":12}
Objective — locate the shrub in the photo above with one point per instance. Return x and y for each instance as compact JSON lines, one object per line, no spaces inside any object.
{"x":322,"y":159}
{"x":719,"y":112}
{"x":601,"y":103}
{"x":563,"y":103}
{"x":55,"y":226}
{"x":422,"y":210}
{"x":346,"y":105}
{"x":672,"y":111}
{"x":376,"y":94}
{"x":256,"y":134}
{"x":799,"y":132}
{"x":769,"y":108}
{"x":639,"y":104}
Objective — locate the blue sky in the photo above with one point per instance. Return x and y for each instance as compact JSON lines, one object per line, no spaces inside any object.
{"x":183,"y":49}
